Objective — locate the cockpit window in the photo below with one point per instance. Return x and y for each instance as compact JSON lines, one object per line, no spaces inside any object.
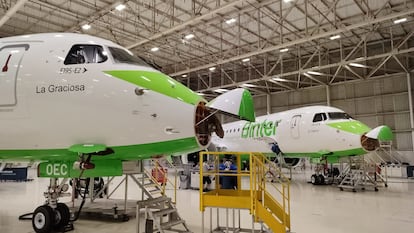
{"x":80,"y":54}
{"x":338,"y":115}
{"x":123,"y":56}
{"x":319,"y":117}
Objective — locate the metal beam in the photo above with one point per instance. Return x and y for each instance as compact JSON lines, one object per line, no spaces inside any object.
{"x":95,"y":16}
{"x":187,"y":23}
{"x":11,"y":12}
{"x":268,"y":78}
{"x":299,"y":41}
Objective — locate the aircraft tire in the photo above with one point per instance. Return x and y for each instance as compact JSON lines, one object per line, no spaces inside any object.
{"x":321,"y":179}
{"x":313,"y":179}
{"x":43,"y":219}
{"x":62,"y":214}
{"x":317,"y":179}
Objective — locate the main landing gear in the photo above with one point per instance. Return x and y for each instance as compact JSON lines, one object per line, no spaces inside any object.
{"x":317,"y":179}
{"x":53,"y":216}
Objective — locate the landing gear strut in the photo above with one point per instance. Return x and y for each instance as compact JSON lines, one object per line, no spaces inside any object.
{"x":52,"y":215}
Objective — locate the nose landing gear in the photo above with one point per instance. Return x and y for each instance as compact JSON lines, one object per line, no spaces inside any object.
{"x":53,"y":216}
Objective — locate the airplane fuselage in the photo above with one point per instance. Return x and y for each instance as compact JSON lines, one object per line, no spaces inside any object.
{"x":50,"y":102}
{"x":304,"y":132}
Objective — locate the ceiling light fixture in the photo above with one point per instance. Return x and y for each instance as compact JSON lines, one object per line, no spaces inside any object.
{"x":314,"y":72}
{"x":189,"y":36}
{"x":246,"y":60}
{"x":335,"y":37}
{"x":155,"y":49}
{"x":184,"y":76}
{"x":120,"y":7}
{"x":357,"y":65}
{"x":86,"y":27}
{"x":212,"y":68}
{"x":402,"y":20}
{"x":230,"y":21}
{"x":279,"y":79}
{"x":248,"y":85}
{"x":221,"y":90}
{"x":284,"y":50}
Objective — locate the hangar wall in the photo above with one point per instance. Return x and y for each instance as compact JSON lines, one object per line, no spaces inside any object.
{"x":378,"y":101}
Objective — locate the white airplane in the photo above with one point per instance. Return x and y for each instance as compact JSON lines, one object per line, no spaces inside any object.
{"x":318,"y":132}
{"x":81,"y":105}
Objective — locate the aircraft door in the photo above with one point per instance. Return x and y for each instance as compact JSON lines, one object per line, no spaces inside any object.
{"x":10,"y":59}
{"x":294,"y":126}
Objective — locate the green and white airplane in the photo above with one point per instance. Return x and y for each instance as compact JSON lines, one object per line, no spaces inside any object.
{"x":318,"y":132}
{"x":82,"y":105}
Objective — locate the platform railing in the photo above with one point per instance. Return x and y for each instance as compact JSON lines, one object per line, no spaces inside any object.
{"x":159,"y":176}
{"x":280,"y":183}
{"x":263,"y":206}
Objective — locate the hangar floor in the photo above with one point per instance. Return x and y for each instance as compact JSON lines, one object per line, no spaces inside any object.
{"x":314,"y":209}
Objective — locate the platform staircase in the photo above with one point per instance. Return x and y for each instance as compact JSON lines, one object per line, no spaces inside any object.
{"x":161,"y":215}
{"x":385,"y":155}
{"x":360,"y":173}
{"x":268,"y":203}
{"x":160,"y":209}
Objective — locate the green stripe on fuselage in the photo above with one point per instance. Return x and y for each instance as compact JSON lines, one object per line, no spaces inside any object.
{"x":158,"y":82}
{"x":343,"y":153}
{"x":130,"y":152}
{"x":355,"y":127}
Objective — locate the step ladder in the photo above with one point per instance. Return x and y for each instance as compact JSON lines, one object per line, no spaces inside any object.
{"x":360,"y":174}
{"x":163,"y":214}
{"x":154,"y":181}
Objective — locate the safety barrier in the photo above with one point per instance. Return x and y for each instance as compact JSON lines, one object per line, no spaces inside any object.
{"x":267,"y":202}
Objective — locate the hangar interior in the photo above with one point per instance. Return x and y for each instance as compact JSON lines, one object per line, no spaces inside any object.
{"x":356,"y":55}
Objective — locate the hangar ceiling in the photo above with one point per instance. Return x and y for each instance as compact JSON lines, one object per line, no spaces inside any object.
{"x":264,"y":45}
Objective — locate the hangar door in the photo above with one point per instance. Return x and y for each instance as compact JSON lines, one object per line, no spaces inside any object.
{"x":10,"y":59}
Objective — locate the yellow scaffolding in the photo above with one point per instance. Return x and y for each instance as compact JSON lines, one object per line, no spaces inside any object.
{"x":273,"y":210}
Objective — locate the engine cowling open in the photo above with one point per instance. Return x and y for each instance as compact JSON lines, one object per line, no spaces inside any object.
{"x":206,"y":123}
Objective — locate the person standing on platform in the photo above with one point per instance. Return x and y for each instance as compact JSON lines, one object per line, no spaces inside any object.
{"x":206,"y":178}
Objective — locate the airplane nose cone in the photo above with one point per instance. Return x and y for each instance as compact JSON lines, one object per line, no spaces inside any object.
{"x":382,"y":133}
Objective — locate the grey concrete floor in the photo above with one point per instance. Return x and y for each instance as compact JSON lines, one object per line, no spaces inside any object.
{"x":314,"y":209}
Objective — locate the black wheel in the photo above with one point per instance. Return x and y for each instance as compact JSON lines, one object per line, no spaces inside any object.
{"x":313,"y":179}
{"x":318,"y":180}
{"x":62,"y":216}
{"x":342,"y":189}
{"x":43,"y":219}
{"x":376,"y":189}
{"x":321,"y":179}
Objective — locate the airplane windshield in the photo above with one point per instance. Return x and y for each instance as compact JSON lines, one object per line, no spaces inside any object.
{"x":338,"y":115}
{"x":123,"y":56}
{"x":80,"y":54}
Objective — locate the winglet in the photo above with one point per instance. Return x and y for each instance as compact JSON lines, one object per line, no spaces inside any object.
{"x":237,"y":103}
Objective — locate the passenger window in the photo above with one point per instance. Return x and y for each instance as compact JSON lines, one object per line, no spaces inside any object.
{"x":319,"y":117}
{"x":80,"y":54}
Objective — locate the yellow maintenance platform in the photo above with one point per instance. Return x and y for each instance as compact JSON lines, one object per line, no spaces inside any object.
{"x":267,"y":202}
